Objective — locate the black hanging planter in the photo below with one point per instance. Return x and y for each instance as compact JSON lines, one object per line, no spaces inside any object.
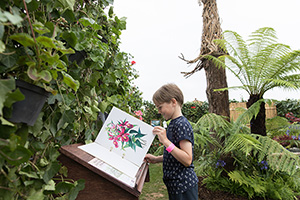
{"x":28,"y":110}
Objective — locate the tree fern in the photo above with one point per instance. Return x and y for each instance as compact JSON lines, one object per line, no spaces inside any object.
{"x":259,"y":61}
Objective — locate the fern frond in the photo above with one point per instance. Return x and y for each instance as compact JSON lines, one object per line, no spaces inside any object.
{"x":237,"y":47}
{"x":255,"y":182}
{"x":213,"y":121}
{"x":278,"y":158}
{"x":219,"y":62}
{"x":221,"y":43}
{"x":245,"y":117}
{"x":244,"y":143}
{"x":262,"y":38}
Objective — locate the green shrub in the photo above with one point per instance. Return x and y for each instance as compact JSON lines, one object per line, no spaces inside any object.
{"x":287,"y":106}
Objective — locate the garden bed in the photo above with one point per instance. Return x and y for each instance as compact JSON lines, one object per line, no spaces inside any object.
{"x":206,"y":194}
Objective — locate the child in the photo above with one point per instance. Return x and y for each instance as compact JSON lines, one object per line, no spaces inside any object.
{"x":178,"y":169}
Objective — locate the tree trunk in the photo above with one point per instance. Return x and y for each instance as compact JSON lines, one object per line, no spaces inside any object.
{"x":215,"y":79}
{"x":258,"y":124}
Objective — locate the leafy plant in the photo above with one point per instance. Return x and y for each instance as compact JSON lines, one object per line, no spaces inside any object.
{"x":289,"y":105}
{"x":244,"y":163}
{"x":194,"y":110}
{"x":85,"y":88}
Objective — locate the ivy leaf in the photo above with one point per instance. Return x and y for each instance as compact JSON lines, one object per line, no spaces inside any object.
{"x":36,"y":194}
{"x":86,"y":21}
{"x":69,"y":4}
{"x":30,"y":174}
{"x":70,"y":37}
{"x":74,"y":84}
{"x":50,"y":186}
{"x":97,"y":56}
{"x":50,"y":59}
{"x":46,"y":41}
{"x":40,"y":28}
{"x":51,"y":170}
{"x":69,"y":16}
{"x":113,"y":99}
{"x":13,"y":97}
{"x":8,"y":61}
{"x":5,"y":122}
{"x":24,"y":39}
{"x":103,"y":105}
{"x":63,"y":187}
{"x":18,"y":156}
{"x":67,"y":117}
{"x":14,"y":19}
{"x":66,"y":51}
{"x":46,"y":75}
{"x":6,"y":86}
{"x":32,"y":73}
{"x":110,"y":12}
{"x":79,"y":185}
{"x":88,"y":110}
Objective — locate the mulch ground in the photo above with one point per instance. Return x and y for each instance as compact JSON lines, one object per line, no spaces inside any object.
{"x":205,"y":194}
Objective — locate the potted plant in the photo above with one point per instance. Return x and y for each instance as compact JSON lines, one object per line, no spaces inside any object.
{"x":38,"y":59}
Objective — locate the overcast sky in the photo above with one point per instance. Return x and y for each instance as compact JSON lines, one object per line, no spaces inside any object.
{"x":158,"y":31}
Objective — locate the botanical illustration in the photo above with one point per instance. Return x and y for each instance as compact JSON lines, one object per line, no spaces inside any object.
{"x":124,"y":135}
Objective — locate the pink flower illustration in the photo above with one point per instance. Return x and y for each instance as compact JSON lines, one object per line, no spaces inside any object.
{"x":116,"y":143}
{"x":123,"y":135}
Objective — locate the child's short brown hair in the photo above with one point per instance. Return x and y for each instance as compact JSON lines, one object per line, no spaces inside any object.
{"x":165,"y":94}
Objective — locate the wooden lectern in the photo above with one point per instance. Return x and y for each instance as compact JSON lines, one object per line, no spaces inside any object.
{"x":98,"y":184}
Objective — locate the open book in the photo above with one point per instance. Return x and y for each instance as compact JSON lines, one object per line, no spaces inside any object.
{"x":121,"y":146}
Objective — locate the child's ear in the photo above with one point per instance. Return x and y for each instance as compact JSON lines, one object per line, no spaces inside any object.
{"x":173,"y":101}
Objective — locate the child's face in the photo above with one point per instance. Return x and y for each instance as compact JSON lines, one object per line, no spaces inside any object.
{"x":167,"y":110}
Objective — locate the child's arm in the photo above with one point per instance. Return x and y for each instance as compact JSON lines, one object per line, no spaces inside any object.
{"x":184,"y":154}
{"x":153,"y":159}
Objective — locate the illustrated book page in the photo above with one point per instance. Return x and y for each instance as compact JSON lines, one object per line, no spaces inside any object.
{"x":121,"y":144}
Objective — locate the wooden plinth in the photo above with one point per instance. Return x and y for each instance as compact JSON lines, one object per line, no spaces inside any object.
{"x":98,"y":184}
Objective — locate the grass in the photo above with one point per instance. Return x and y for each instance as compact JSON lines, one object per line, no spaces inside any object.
{"x":155,"y":189}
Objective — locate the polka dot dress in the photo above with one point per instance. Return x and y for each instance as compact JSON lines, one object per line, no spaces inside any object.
{"x":177,"y":177}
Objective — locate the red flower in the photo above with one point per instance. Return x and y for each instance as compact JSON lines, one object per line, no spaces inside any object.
{"x":193,"y":107}
{"x":133,"y":62}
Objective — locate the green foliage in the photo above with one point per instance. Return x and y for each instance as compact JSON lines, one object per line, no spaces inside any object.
{"x":243,"y":163}
{"x":260,"y":64}
{"x":70,"y":48}
{"x":286,"y":106}
{"x":194,"y":110}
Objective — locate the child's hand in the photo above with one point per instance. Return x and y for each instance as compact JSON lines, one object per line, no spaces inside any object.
{"x":149,"y":158}
{"x":161,"y":134}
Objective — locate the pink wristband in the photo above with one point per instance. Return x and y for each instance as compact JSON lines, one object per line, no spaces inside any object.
{"x":170,"y":148}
